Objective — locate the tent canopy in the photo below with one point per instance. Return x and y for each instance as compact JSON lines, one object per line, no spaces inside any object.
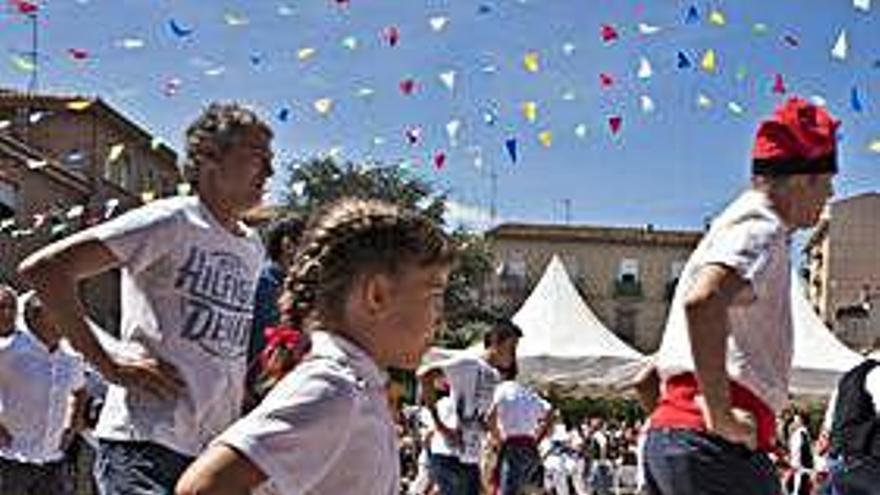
{"x":819,"y":358}
{"x":565,"y":344}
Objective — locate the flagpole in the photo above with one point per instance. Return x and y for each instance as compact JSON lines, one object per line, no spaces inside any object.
{"x":32,"y":85}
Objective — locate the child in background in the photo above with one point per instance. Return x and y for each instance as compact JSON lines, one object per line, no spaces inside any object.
{"x":367,"y":284}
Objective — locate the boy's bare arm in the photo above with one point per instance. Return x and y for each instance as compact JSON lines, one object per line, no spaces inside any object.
{"x":221,"y":470}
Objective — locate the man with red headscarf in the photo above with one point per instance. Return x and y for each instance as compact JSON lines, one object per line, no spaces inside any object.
{"x":725,"y":358}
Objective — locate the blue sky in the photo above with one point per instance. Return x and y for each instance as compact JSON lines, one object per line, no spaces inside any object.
{"x":671,"y":167}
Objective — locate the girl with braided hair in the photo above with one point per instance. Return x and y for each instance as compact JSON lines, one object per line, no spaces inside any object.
{"x":367,"y":286}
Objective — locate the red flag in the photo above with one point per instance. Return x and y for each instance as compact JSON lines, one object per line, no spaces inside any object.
{"x":391,"y":35}
{"x":78,"y":54}
{"x":608,"y":32}
{"x":606,"y":80}
{"x":24,"y":6}
{"x":439,"y":160}
{"x":615,"y":122}
{"x":407,"y":86}
{"x":779,"y":85}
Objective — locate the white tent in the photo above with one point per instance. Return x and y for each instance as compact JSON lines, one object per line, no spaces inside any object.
{"x":565,"y":344}
{"x":819,"y":358}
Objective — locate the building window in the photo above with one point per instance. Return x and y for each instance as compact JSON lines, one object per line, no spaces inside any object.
{"x":628,"y":283}
{"x":8,"y":199}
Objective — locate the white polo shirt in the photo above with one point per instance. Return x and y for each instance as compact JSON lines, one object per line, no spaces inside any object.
{"x":35,"y":388}
{"x":750,"y":238}
{"x":519,"y":409}
{"x":325,"y":428}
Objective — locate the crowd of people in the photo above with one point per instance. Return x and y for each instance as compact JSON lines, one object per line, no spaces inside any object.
{"x":233,"y":374}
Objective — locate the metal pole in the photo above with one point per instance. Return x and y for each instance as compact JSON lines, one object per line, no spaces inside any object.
{"x":32,"y":86}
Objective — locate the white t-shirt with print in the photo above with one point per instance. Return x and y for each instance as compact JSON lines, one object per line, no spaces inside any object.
{"x":750,"y":238}
{"x":35,"y":388}
{"x":325,"y":428}
{"x":472,"y":383}
{"x":187,"y":290}
{"x":440,"y":444}
{"x":519,"y":409}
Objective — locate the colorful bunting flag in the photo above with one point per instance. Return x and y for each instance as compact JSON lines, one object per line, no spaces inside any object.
{"x":647,"y":104}
{"x":778,"y":85}
{"x":647,"y":29}
{"x":735,"y":108}
{"x":609,"y":33}
{"x":704,"y":101}
{"x":840,"y":46}
{"x":645,"y":71}
{"x":692,"y":16}
{"x":305,"y":53}
{"x":863,"y":5}
{"x":606,"y":80}
{"x":545,"y":138}
{"x":568,"y":48}
{"x":448,"y":79}
{"x":407,"y":86}
{"x":391,"y":35}
{"x":413,"y":135}
{"x":709,"y":61}
{"x":510,"y":145}
{"x":179,"y":30}
{"x":438,"y":23}
{"x":439,"y":160}
{"x":78,"y":54}
{"x":683,"y":61}
{"x":874,"y":146}
{"x":235,"y":20}
{"x":580,"y":131}
{"x":530,"y":111}
{"x":717,"y":18}
{"x":23,"y":64}
{"x":452,"y":128}
{"x":615,"y":122}
{"x":350,"y":42}
{"x":131,"y":43}
{"x":530,"y":62}
{"x":854,"y":100}
{"x":323,"y":106}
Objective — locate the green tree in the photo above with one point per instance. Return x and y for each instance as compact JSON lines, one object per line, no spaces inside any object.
{"x":318,"y":181}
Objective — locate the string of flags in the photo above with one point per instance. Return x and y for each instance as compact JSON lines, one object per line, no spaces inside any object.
{"x":619,"y":91}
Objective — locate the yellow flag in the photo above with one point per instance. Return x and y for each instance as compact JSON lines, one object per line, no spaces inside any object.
{"x":79,"y":105}
{"x":717,"y":18}
{"x":530,"y":111}
{"x":546,"y":138}
{"x":323,"y":106}
{"x":530,"y":62}
{"x":709,"y":62}
{"x":305,"y":53}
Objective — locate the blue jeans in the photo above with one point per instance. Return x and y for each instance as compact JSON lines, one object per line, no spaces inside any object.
{"x":520,"y":467}
{"x":137,"y":468}
{"x":684,"y":462}
{"x":454,"y":477}
{"x":855,"y":476}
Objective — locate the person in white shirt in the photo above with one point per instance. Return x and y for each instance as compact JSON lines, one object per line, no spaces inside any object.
{"x":725,"y":357}
{"x":520,"y":419}
{"x":800,"y":455}
{"x":472,"y":381}
{"x":368,"y":284}
{"x":188,"y":270}
{"x":42,"y":405}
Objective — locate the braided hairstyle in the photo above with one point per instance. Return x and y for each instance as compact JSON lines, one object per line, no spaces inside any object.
{"x":351,"y":237}
{"x":216,"y":131}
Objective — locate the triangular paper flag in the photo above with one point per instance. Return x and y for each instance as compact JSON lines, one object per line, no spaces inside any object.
{"x":350,"y":42}
{"x":323,"y":106}
{"x":580,"y":131}
{"x":530,"y":62}
{"x":854,"y":100}
{"x":717,"y":18}
{"x":863,"y":5}
{"x":568,"y":48}
{"x":23,"y":64}
{"x":438,"y":22}
{"x":448,"y":79}
{"x":510,"y":145}
{"x":413,"y":135}
{"x":606,"y":80}
{"x":569,"y":95}
{"x":305,"y":53}
{"x":778,"y":85}
{"x":692,"y":16}
{"x":452,"y":128}
{"x":439,"y":160}
{"x":79,"y":105}
{"x":608,"y":33}
{"x":874,"y":146}
{"x":735,"y":108}
{"x":645,"y":70}
{"x":709,"y":63}
{"x":407,"y":86}
{"x":391,"y":35}
{"x":819,"y":100}
{"x":759,"y":28}
{"x":530,"y":111}
{"x":703,"y":101}
{"x":648,"y":29}
{"x":235,"y":20}
{"x":546,"y":138}
{"x":615,"y":122}
{"x":683,"y":61}
{"x":840,"y":47}
{"x":647,"y":104}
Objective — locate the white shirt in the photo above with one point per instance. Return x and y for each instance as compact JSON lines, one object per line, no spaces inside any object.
{"x":750,"y":238}
{"x":440,"y":444}
{"x":796,"y":444}
{"x":472,"y":383}
{"x":35,"y":389}
{"x":187,"y":290}
{"x":519,"y":409}
{"x":325,"y":428}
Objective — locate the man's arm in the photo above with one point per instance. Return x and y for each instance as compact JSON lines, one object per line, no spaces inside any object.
{"x":55,"y":272}
{"x":708,"y":300}
{"x":221,"y":470}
